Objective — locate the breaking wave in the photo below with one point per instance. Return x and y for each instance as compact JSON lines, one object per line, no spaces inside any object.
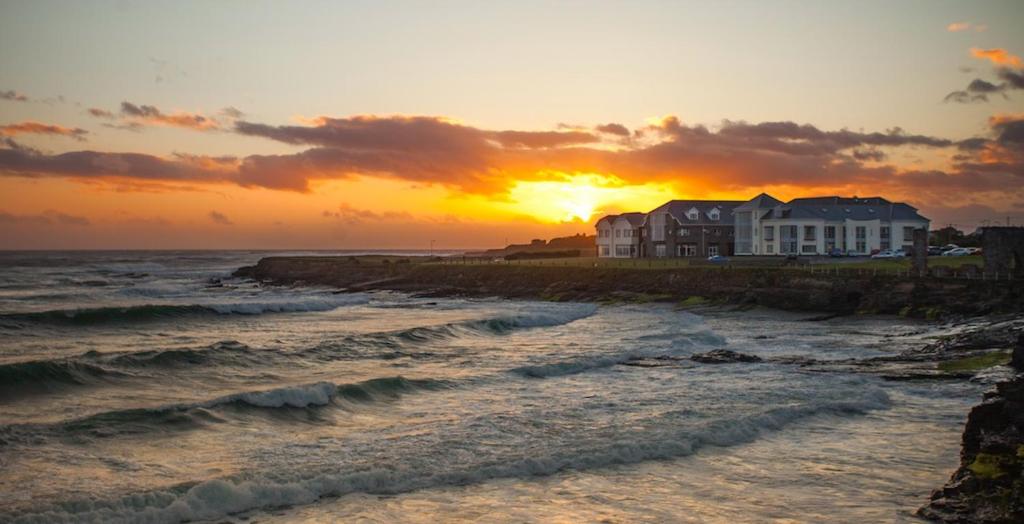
{"x":152,"y":312}
{"x":217,"y":498}
{"x":188,"y":416}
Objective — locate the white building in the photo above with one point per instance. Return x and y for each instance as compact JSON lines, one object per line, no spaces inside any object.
{"x":819,"y":225}
{"x":618,"y":236}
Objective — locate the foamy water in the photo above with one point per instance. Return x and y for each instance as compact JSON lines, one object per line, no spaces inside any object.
{"x":151,"y":387}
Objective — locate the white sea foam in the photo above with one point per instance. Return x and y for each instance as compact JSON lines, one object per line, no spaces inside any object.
{"x":218,"y":498}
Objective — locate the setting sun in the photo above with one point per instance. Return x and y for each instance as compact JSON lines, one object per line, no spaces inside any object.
{"x":579,"y":197}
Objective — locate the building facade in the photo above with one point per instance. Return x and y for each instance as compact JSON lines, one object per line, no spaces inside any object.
{"x":618,"y":236}
{"x":689,"y":228}
{"x":826,"y":225}
{"x":763,"y":225}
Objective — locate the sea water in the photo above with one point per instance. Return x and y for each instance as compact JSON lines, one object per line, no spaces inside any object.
{"x":153,"y":387}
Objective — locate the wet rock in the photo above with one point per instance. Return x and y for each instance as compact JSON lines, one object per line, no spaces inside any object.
{"x":723,"y":356}
{"x":1017,"y":359}
{"x":988,"y":487}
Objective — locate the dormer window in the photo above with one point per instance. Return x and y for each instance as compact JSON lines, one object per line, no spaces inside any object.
{"x":714,"y":214}
{"x":693,"y":214}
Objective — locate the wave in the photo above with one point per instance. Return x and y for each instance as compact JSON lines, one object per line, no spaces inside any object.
{"x":151,"y":312}
{"x":93,"y":367}
{"x":193,"y":415}
{"x":23,"y":378}
{"x":583,"y":364}
{"x":218,"y":498}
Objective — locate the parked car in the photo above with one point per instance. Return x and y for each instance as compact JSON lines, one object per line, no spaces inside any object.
{"x":973,"y":250}
{"x":958,"y":252}
{"x":835,"y":253}
{"x":888,"y":254}
{"x":949,"y":247}
{"x":718,"y":259}
{"x":934,"y":251}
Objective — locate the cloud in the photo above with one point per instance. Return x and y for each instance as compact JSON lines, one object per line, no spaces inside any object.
{"x":232,"y":113}
{"x":220,"y":218}
{"x":613,"y":129}
{"x":100,"y":113}
{"x":13,"y":96}
{"x":979,"y":90}
{"x":957,"y":27}
{"x":354,"y":216}
{"x":136,"y":117}
{"x":997,"y":56}
{"x":47,"y":218}
{"x":37,"y":128}
{"x":146,"y":114}
{"x":733,"y":156}
{"x":1013,"y":79}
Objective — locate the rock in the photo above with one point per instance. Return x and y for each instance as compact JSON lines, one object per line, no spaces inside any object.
{"x":1017,"y":359}
{"x":723,"y":356}
{"x":989,"y":485}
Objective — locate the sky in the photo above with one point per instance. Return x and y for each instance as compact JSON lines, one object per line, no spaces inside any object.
{"x":359,"y":125}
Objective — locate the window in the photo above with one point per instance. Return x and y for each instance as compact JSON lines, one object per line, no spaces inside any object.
{"x":618,"y":233}
{"x":714,"y":214}
{"x":861,"y":234}
{"x":810,"y":233}
{"x":809,"y":249}
{"x":713,"y":250}
{"x":622,"y":251}
{"x":769,"y":249}
{"x":716,"y":231}
{"x":769,"y":233}
{"x":787,"y":234}
{"x":686,"y":250}
{"x":659,"y":250}
{"x":693,"y":214}
{"x":684,"y":232}
{"x":604,"y":251}
{"x":908,"y":235}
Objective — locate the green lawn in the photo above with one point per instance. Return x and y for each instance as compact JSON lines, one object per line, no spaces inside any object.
{"x":844,"y":264}
{"x":904,"y":263}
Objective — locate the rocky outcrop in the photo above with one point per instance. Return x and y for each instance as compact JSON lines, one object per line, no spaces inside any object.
{"x":989,"y":485}
{"x":788,"y":289}
{"x":723,"y":356}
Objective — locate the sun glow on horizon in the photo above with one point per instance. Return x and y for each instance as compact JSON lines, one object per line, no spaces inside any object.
{"x":579,"y":197}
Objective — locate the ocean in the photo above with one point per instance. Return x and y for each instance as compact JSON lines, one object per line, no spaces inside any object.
{"x":154,"y":387}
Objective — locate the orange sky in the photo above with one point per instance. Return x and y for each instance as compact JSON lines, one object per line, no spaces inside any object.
{"x":138,"y":150}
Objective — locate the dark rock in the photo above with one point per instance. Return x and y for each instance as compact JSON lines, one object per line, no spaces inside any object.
{"x":1017,"y":360}
{"x":723,"y":356}
{"x":989,"y":485}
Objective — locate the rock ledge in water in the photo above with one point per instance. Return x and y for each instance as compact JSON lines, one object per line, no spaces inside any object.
{"x":723,"y":356}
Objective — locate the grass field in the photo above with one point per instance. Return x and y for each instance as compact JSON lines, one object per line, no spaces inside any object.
{"x":844,"y":264}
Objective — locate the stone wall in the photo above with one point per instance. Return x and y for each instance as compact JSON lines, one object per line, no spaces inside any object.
{"x":1003,"y":250}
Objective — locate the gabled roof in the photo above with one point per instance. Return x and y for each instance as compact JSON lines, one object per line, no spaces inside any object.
{"x":762,"y":201}
{"x":635,"y":219}
{"x":839,"y":208}
{"x":679,"y":208}
{"x":610,"y":218}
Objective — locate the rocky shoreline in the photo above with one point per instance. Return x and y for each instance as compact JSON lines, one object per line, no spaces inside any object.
{"x":988,"y":486}
{"x":778,"y":288}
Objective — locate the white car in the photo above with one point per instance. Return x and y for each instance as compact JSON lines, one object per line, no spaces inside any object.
{"x":889,"y":254}
{"x":958,"y":252}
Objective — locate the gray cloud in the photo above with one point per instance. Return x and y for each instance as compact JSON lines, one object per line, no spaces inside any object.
{"x":220,"y":218}
{"x":13,"y":96}
{"x":47,"y":218}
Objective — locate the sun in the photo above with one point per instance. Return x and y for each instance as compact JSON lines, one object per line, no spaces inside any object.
{"x":579,"y":197}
